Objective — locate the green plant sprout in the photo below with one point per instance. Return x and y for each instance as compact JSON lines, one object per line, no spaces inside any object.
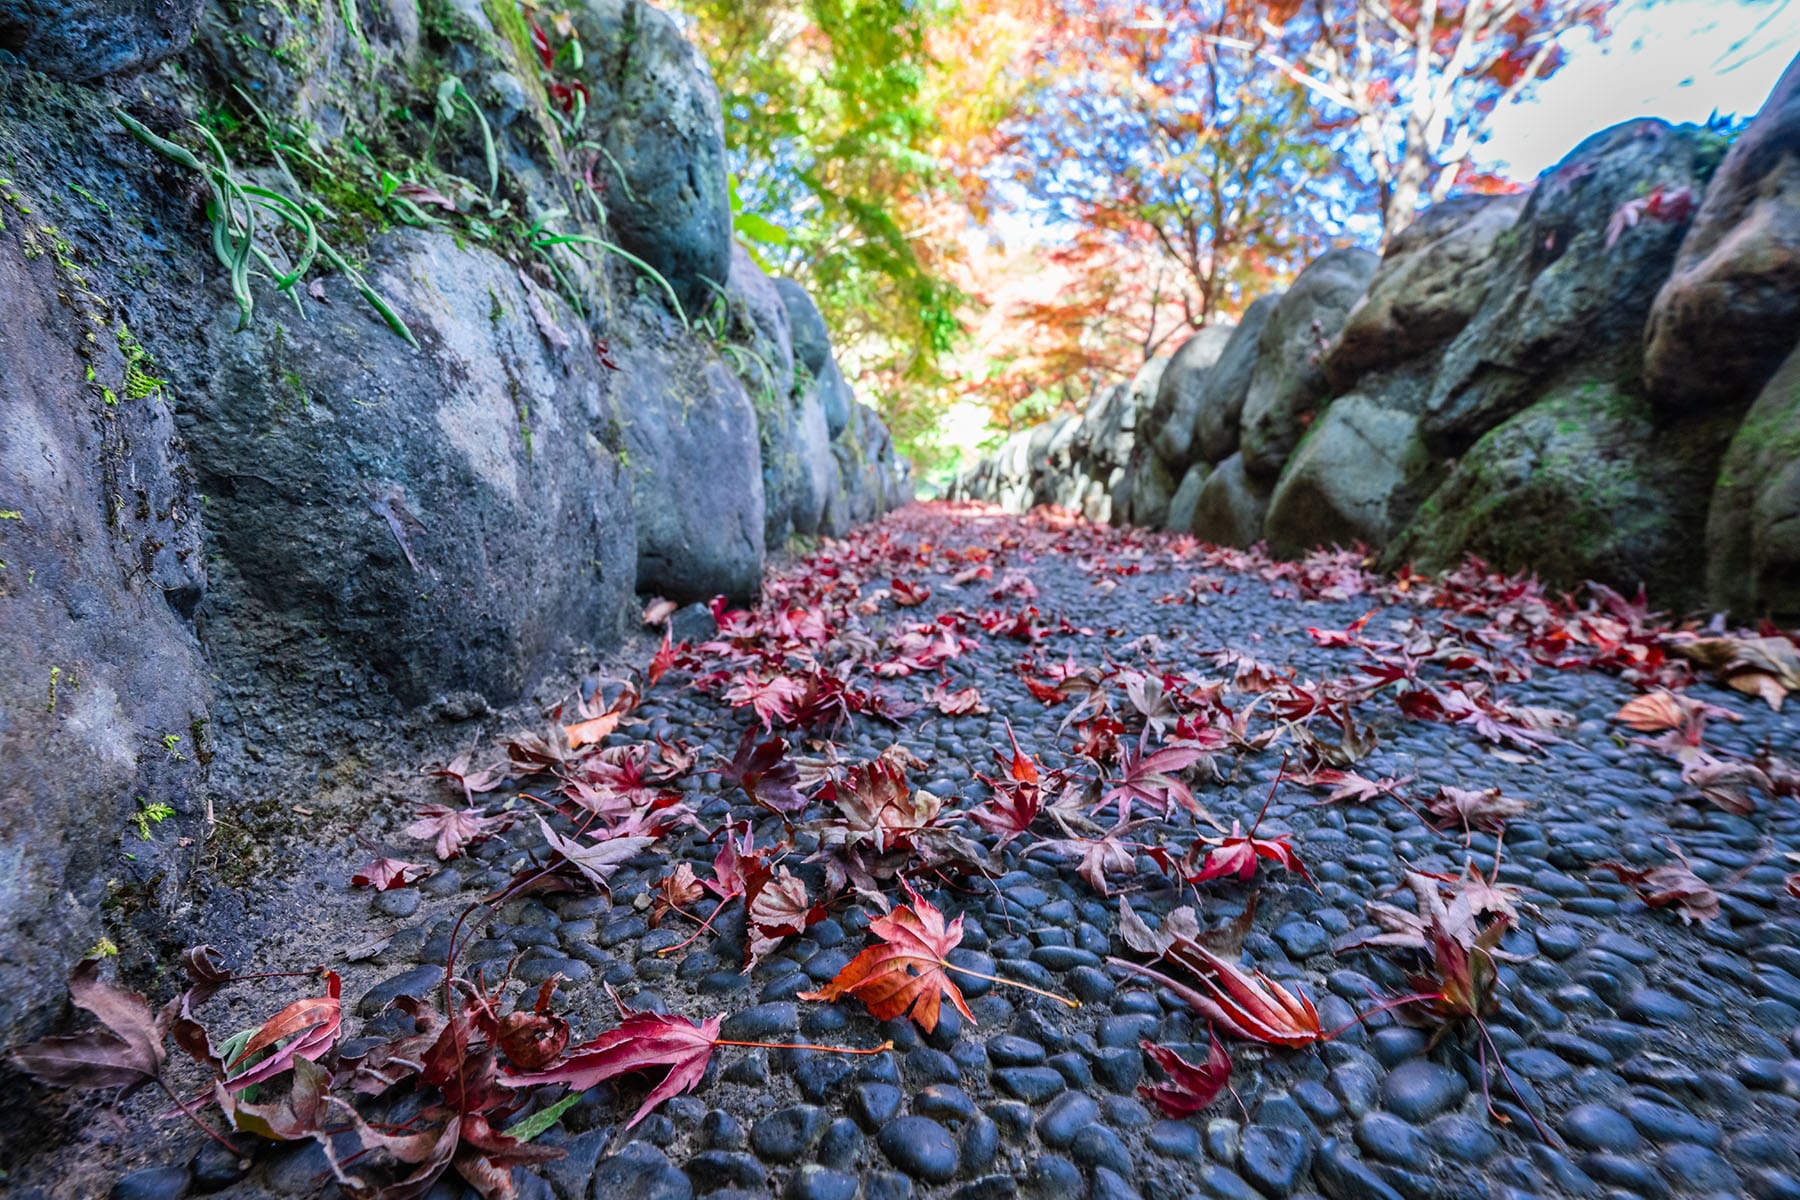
{"x":449,"y":92}
{"x":148,"y":815}
{"x":233,"y":206}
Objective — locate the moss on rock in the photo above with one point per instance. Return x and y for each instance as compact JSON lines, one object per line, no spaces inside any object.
{"x":1582,"y":485}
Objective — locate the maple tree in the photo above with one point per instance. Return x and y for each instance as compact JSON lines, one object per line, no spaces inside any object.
{"x":1173,"y":187}
{"x":1415,"y":84}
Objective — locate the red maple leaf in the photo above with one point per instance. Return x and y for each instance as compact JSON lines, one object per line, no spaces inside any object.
{"x":771,"y":699}
{"x":664,"y":659}
{"x":1189,"y":1088}
{"x":643,"y":1041}
{"x":454,"y":828}
{"x":1151,"y":779}
{"x":1236,"y":854}
{"x":386,"y":874}
{"x":908,"y":595}
{"x":313,"y":1025}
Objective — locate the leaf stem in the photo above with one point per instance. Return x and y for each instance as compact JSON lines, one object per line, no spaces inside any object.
{"x":237,"y":1155}
{"x":1064,"y":1000}
{"x":881,"y":1049}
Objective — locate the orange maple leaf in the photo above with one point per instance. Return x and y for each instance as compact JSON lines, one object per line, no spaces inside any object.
{"x":906,"y":973}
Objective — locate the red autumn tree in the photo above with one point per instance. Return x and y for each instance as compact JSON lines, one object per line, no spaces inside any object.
{"x":1416,"y":80}
{"x":1169,"y":186}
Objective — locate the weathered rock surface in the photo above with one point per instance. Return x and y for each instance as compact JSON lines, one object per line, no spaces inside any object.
{"x":798,"y":471}
{"x":657,"y":111}
{"x":1358,"y":475}
{"x":1185,"y":503}
{"x":1219,"y":417}
{"x":100,"y":565}
{"x":1753,"y":528}
{"x":1431,"y":280}
{"x":1231,"y":506}
{"x":1730,"y":312}
{"x":1111,"y":437}
{"x":694,"y":462}
{"x":812,"y":350}
{"x":1582,"y":485}
{"x":1563,"y":304}
{"x":404,"y":520}
{"x":1288,"y":382}
{"x":1175,"y":415}
{"x":91,"y":38}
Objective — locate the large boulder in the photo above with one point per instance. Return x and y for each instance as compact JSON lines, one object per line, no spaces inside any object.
{"x":99,"y":537}
{"x":86,"y":39}
{"x":1172,"y":418}
{"x":1231,"y":506}
{"x":1431,"y":280}
{"x":797,"y":466}
{"x":1753,"y":529}
{"x":1730,"y":312}
{"x":1572,"y":282}
{"x":812,"y":353}
{"x":1185,"y":503}
{"x":874,"y":478}
{"x":694,"y":458}
{"x":1126,"y":456}
{"x":1289,"y":382}
{"x":1219,"y":416}
{"x":1357,"y":476}
{"x":1582,"y":485}
{"x":396,"y":525}
{"x":1144,"y":494}
{"x":654,"y":109}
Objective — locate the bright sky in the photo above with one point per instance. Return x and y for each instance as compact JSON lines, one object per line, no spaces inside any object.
{"x":1675,"y":59}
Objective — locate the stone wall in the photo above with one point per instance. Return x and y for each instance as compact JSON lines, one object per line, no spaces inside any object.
{"x":1596,"y":380}
{"x":239,"y":551}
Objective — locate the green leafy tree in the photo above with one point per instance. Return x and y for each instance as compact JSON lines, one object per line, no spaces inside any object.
{"x":836,"y":143}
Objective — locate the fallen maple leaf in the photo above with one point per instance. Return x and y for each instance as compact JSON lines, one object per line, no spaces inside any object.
{"x":674,"y":892}
{"x":595,"y":728}
{"x":1670,"y":884}
{"x":647,"y":1041}
{"x":311,"y":1023}
{"x":596,"y":860}
{"x":1189,"y":1088}
{"x":776,"y":906}
{"x":1474,"y":809}
{"x":771,"y":699}
{"x":1352,"y":787}
{"x":453,"y":829}
{"x":1768,"y":667}
{"x":1248,"y":1003}
{"x":905,"y":975}
{"x":959,"y":703}
{"x":908,"y":595}
{"x":659,"y":610}
{"x":125,"y":1052}
{"x":765,"y":774}
{"x":1150,"y":778}
{"x":1237,"y":852}
{"x":663,"y":660}
{"x":386,"y":874}
{"x":1727,"y":784}
{"x":643,"y":1041}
